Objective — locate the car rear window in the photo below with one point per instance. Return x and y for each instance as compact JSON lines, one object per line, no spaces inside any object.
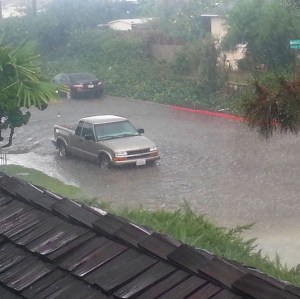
{"x":82,"y":77}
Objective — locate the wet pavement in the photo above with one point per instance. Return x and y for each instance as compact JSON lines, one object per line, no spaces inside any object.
{"x":218,"y":166}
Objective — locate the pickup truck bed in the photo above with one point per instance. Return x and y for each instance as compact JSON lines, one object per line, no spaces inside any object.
{"x":71,"y":127}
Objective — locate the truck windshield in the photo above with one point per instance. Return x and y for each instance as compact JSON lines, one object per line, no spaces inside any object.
{"x":115,"y":130}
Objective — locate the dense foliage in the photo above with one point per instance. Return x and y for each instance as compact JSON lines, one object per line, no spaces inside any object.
{"x":275,"y":108}
{"x":181,"y":18}
{"x":266,"y":27}
{"x":21,"y":86}
{"x":121,"y":60}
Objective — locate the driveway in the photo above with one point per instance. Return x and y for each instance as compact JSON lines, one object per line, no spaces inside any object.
{"x":218,"y":166}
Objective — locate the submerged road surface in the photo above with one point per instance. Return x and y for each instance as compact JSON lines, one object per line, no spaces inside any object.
{"x":219,"y":167}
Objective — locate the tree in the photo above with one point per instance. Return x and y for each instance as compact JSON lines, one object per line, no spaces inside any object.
{"x":266,"y":27}
{"x":21,"y":86}
{"x":201,"y":60}
{"x":181,"y":18}
{"x":273,"y":104}
{"x":293,"y":3}
{"x":275,"y":107}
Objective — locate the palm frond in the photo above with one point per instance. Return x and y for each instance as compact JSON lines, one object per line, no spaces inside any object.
{"x":274,"y":109}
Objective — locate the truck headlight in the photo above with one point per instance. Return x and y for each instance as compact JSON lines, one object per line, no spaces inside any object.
{"x":120,"y":154}
{"x":153,"y":149}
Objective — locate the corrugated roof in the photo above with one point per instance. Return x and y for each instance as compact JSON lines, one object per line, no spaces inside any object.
{"x":53,"y":247}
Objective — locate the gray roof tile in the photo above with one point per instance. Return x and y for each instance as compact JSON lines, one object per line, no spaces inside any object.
{"x":53,"y":247}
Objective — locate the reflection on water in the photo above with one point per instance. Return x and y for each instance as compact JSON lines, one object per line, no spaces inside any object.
{"x":41,"y":163}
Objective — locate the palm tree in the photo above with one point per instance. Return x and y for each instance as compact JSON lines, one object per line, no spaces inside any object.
{"x":274,"y":109}
{"x":21,"y":86}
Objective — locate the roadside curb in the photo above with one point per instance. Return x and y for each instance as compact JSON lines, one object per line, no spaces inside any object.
{"x":210,"y":113}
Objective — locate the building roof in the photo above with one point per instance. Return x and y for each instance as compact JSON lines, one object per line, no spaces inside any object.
{"x":210,"y":15}
{"x":53,"y":247}
{"x":131,"y":21}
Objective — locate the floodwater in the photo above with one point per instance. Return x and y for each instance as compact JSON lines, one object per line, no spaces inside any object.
{"x":218,"y":166}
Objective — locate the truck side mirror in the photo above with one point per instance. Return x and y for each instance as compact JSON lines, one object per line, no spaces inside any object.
{"x":141,"y":131}
{"x":89,"y":137}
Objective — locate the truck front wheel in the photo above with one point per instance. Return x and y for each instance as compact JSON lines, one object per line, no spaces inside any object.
{"x":104,"y":161}
{"x":62,"y":150}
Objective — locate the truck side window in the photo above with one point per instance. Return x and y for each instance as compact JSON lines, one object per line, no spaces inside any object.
{"x":87,"y":129}
{"x":79,"y":128}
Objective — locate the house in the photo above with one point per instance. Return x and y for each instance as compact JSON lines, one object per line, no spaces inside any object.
{"x":217,"y":25}
{"x":218,"y":28}
{"x":54,"y":247}
{"x":9,"y":12}
{"x":128,"y":24}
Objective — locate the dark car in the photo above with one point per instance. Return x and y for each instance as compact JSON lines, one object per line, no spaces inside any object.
{"x":80,"y":84}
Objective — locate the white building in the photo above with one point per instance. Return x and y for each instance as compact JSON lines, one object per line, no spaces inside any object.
{"x":218,"y":26}
{"x":127,"y":24}
{"x":13,"y":12}
{"x":218,"y":29}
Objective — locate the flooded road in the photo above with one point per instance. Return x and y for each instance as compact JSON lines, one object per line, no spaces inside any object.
{"x":219,"y":167}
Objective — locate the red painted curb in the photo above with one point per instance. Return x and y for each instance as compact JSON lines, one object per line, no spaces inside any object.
{"x":210,"y":113}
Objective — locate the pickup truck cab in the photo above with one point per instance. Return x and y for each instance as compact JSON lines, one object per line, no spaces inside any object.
{"x":107,"y":139}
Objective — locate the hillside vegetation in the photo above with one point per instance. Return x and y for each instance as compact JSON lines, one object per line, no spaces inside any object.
{"x":122,"y":62}
{"x":68,"y":39}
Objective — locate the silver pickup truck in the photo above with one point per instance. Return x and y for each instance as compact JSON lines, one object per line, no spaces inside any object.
{"x":107,"y":139}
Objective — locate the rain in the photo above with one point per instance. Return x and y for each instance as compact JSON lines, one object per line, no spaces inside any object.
{"x":218,"y":165}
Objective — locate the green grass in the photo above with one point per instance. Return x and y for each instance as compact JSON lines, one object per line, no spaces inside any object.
{"x":183,"y":225}
{"x":39,"y":178}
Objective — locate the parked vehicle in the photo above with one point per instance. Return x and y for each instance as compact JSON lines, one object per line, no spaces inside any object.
{"x":80,"y":84}
{"x":107,"y":139}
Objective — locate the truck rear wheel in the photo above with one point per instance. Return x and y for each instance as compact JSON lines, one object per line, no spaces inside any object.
{"x":104,"y":161}
{"x":62,"y":150}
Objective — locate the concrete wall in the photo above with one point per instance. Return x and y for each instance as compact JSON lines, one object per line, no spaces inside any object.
{"x":219,"y":29}
{"x":218,"y":26}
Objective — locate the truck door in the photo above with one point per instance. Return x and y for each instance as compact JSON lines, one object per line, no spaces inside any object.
{"x":77,"y":142}
{"x":89,"y":144}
